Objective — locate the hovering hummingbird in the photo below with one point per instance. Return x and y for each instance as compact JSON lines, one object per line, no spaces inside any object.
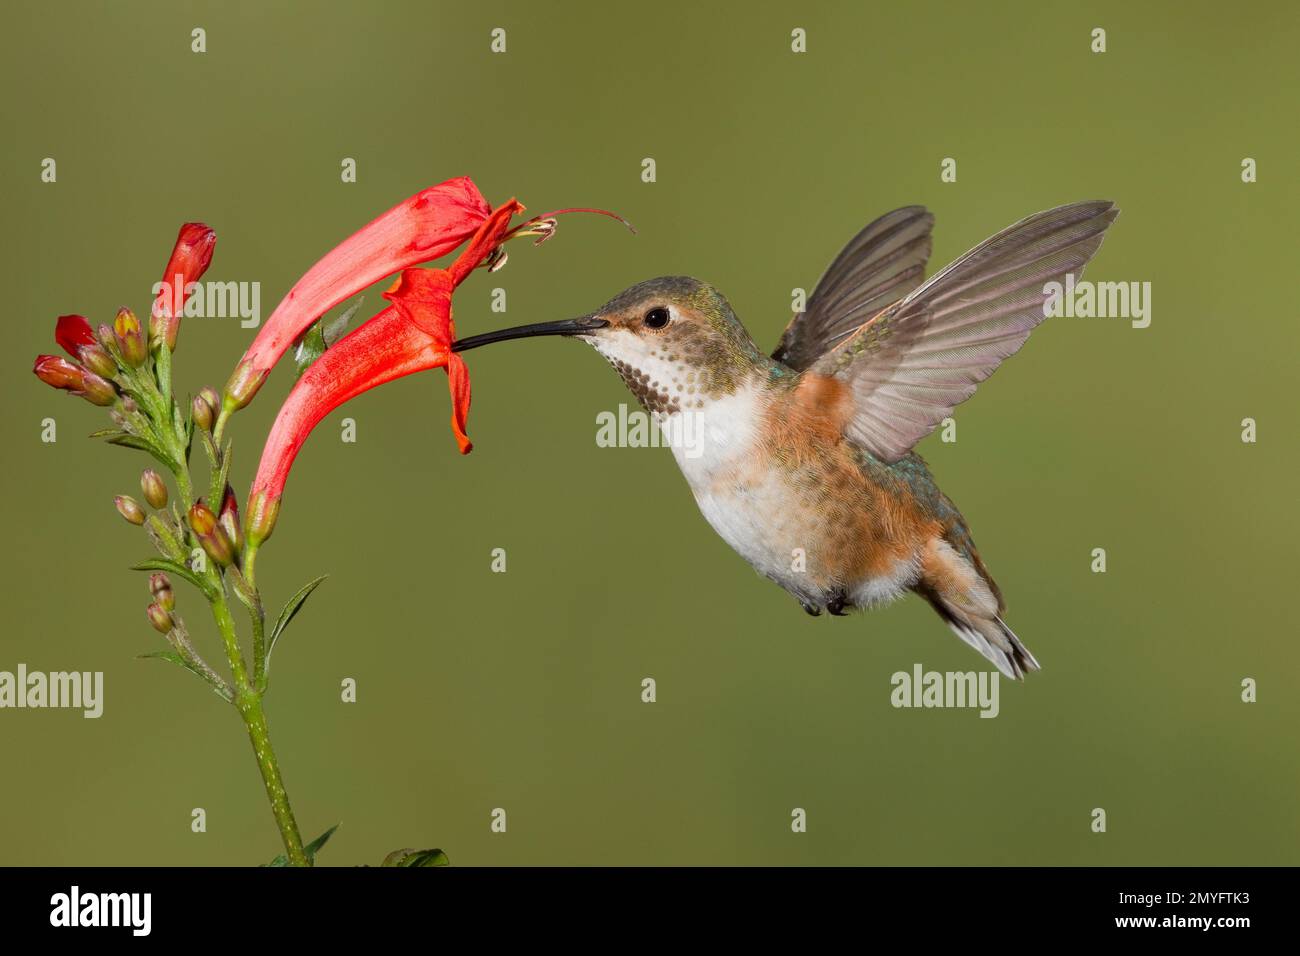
{"x":806,"y":465}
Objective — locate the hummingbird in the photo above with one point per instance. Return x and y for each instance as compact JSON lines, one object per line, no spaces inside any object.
{"x":804,"y":458}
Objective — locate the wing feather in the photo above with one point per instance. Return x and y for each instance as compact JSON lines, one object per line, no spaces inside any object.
{"x":909,"y":366}
{"x":879,"y":266}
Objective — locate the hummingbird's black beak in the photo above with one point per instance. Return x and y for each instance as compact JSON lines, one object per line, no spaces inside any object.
{"x":588,"y":323}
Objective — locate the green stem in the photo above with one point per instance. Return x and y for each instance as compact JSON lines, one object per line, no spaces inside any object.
{"x":258,"y":617}
{"x":250,"y":708}
{"x":219,"y":429}
{"x":247,"y":694}
{"x":183,"y":486}
{"x":248,"y":702}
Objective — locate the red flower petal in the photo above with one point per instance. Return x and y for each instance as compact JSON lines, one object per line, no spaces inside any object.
{"x":423,"y":297}
{"x":427,"y":226}
{"x":489,"y":235}
{"x":384,"y":348}
{"x":458,"y":383}
{"x":72,"y":332}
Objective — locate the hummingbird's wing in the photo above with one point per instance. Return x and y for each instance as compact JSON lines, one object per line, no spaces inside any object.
{"x":909,"y":366}
{"x":879,"y":266}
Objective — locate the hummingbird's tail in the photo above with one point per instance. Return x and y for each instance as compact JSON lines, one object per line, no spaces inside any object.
{"x":962,"y":593}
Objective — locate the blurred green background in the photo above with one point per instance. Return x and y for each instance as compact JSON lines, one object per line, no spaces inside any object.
{"x":522,"y":690}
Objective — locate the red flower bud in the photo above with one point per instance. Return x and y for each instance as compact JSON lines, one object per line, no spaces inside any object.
{"x":229,"y":519}
{"x":60,"y":373}
{"x":189,"y":260}
{"x":72,"y":332}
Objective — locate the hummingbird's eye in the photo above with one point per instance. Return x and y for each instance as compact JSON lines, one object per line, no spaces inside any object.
{"x":657,"y":317}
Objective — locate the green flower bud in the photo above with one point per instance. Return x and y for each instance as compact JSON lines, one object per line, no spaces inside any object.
{"x":155,"y":491}
{"x":96,"y":390}
{"x":160,"y":586}
{"x":243,"y":385}
{"x":263,"y":510}
{"x":129,"y":509}
{"x":160,"y":619}
{"x":96,"y":358}
{"x":202,"y":413}
{"x":210,"y":534}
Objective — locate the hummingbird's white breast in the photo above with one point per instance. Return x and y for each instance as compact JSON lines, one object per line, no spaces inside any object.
{"x":740,"y":494}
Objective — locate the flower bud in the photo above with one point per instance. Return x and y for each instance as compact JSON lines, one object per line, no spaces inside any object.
{"x":211,"y":397}
{"x":72,"y":332}
{"x":262,"y":513}
{"x":189,"y":260}
{"x":129,"y":509}
{"x":243,"y":385}
{"x":96,"y":358}
{"x":96,"y":390}
{"x":201,"y":412}
{"x":229,"y":519}
{"x":210,"y":534}
{"x":160,"y":618}
{"x":60,"y":373}
{"x":130,"y":338}
{"x":155,"y":491}
{"x":160,"y":586}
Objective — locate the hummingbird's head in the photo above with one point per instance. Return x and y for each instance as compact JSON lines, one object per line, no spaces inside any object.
{"x":674,"y":341}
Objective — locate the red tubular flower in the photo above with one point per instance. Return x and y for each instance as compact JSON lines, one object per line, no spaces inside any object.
{"x":415,"y":333}
{"x":189,"y":260}
{"x":424,"y":227}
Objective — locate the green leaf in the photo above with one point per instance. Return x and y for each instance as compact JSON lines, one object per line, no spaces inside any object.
{"x":291,"y":609}
{"x":314,"y":846}
{"x":319,"y":337}
{"x":180,"y":570}
{"x":164,"y":538}
{"x":311,"y":849}
{"x":221,"y":479}
{"x":311,"y":346}
{"x":409,"y":857}
{"x":143,"y":444}
{"x":173,"y":658}
{"x":338,"y":328}
{"x":209,"y":448}
{"x":247,"y":594}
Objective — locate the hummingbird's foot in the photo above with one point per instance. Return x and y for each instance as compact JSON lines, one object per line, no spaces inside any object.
{"x":837,"y":602}
{"x":812,"y":609}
